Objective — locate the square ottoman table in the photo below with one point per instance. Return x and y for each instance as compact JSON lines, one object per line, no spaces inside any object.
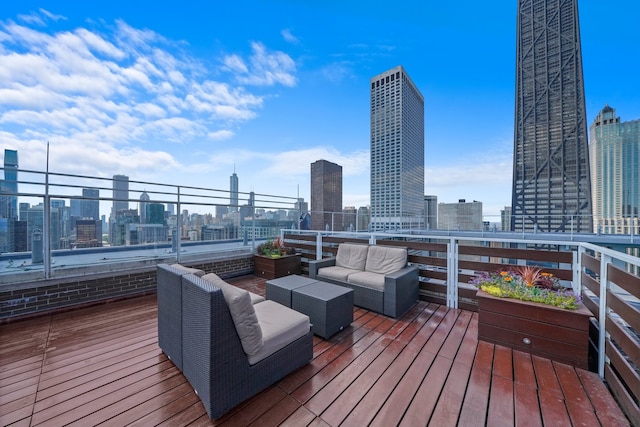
{"x":279,"y":290}
{"x":329,"y":306}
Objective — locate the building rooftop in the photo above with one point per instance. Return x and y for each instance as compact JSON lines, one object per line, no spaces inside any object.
{"x":102,"y":364}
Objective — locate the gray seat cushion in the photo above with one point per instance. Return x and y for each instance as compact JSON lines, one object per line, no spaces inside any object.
{"x":367,"y":279}
{"x":336,"y":273}
{"x":280,"y":326}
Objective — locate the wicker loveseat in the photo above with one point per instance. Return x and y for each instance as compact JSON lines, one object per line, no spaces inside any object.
{"x":379,"y":275}
{"x":231,"y":348}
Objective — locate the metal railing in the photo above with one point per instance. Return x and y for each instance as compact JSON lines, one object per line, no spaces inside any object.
{"x":626,"y":311}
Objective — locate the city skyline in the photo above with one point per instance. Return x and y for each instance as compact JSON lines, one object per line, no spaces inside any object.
{"x":184,"y":95}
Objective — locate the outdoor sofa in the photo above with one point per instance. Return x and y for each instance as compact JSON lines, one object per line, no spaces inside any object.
{"x":379,"y":275}
{"x":232,"y":348}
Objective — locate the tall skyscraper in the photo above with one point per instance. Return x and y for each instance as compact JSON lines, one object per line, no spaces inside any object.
{"x":120,"y":194}
{"x":90,"y":207}
{"x":11,"y":183}
{"x":144,"y":202}
{"x":551,"y":182}
{"x":614,"y":152}
{"x":233,"y":181}
{"x":397,"y":152}
{"x":326,"y":195}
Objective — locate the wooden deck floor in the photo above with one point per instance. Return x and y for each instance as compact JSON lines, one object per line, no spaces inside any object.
{"x":102,"y":364}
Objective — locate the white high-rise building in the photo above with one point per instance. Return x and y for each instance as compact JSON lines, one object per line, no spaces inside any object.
{"x":615,"y":173}
{"x":397,"y":152}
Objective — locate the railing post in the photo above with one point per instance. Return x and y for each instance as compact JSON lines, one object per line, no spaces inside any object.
{"x":602,"y":312}
{"x":452,"y":277}
{"x":178,"y":227}
{"x":319,"y":246}
{"x":576,"y":283}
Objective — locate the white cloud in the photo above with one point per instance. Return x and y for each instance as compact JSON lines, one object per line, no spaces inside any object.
{"x":288,"y":36}
{"x":266,"y":68}
{"x":220,"y":135}
{"x":235,"y":63}
{"x":52,"y":16}
{"x":117,"y":93}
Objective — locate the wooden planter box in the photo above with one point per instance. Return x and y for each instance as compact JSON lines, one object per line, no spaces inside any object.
{"x":543,"y":330}
{"x":272,"y":268}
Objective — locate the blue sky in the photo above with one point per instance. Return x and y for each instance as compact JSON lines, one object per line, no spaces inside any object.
{"x":184,"y":92}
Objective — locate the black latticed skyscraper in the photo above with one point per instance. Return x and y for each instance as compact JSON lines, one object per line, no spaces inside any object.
{"x":551,"y":184}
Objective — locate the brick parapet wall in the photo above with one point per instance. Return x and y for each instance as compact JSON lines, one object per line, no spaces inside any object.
{"x":45,"y":296}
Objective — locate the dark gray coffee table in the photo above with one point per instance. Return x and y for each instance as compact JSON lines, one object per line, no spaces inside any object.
{"x":329,"y":306}
{"x":279,"y":290}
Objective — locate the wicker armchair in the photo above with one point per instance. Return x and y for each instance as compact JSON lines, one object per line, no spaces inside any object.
{"x":214,"y":361}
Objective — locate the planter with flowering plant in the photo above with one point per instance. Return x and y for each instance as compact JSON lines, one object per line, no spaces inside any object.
{"x":274,"y":259}
{"x":529,"y":310}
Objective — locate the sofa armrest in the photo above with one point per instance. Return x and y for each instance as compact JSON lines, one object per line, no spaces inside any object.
{"x":400,"y":291}
{"x":314,"y":266}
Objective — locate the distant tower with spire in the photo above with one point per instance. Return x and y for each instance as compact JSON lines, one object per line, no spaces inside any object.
{"x":233,"y":203}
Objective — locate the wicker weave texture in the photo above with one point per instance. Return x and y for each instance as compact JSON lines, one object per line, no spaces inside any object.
{"x":214,"y":362}
{"x":279,"y":290}
{"x":169,"y":286}
{"x":329,"y":307}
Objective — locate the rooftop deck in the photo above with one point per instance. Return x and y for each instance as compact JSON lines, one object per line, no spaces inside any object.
{"x":102,"y":364}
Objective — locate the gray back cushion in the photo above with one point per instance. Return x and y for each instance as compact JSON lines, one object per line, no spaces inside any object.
{"x":187,"y":270}
{"x":385,"y":259}
{"x":352,"y":256}
{"x":242,"y":312}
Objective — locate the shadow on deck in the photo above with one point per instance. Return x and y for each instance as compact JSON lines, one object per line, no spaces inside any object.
{"x":102,"y":364}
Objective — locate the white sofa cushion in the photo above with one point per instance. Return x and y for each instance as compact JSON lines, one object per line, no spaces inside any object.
{"x":351,"y":256}
{"x":187,"y":270}
{"x":280,"y":326}
{"x":367,"y":279}
{"x":336,"y":273}
{"x":242,"y":312}
{"x":385,"y":259}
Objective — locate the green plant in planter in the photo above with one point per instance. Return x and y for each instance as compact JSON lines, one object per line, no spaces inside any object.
{"x":527,"y":283}
{"x":274,"y":248}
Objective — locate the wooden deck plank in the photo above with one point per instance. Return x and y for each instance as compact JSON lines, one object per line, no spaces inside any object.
{"x":307,"y":390}
{"x":447,"y":409}
{"x":554,"y":411}
{"x":501,"y":408}
{"x":476,"y":398}
{"x":342,"y":344}
{"x":422,"y":407}
{"x":101,"y":364}
{"x":367,"y":407}
{"x":395,"y":406}
{"x":366,"y":374}
{"x":527,"y":408}
{"x":523,"y":369}
{"x":503,"y":362}
{"x":607,"y":410}
{"x":373,"y":360}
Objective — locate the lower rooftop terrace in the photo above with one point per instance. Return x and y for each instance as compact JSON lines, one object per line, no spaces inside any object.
{"x":101,"y":363}
{"x":78,"y":332}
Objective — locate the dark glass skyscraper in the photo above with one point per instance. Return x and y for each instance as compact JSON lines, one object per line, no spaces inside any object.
{"x":326,"y":195}
{"x":233,"y":187}
{"x":551,"y":183}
